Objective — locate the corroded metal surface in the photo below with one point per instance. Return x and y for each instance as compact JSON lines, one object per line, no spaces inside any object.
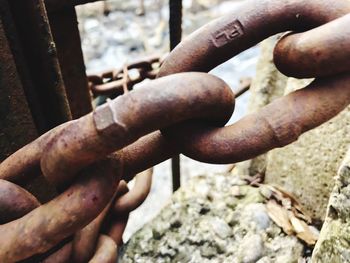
{"x":16,"y":127}
{"x":58,"y":5}
{"x":323,"y":51}
{"x":40,"y":58}
{"x":189,"y":109}
{"x":247,"y":25}
{"x":282,"y":121}
{"x":64,"y":26}
{"x":117,"y":81}
{"x":15,"y":202}
{"x":83,"y":201}
{"x":123,"y":120}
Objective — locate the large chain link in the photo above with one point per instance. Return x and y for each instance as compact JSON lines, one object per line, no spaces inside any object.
{"x":87,"y":158}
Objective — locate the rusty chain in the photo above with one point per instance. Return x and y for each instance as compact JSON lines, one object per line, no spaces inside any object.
{"x":87,"y":158}
{"x":115,"y":82}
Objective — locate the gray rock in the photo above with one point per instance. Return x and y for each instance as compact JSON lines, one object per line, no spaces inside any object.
{"x":251,"y":248}
{"x":257,"y":215}
{"x":220,"y":227}
{"x":240,"y":232}
{"x":333,"y":244}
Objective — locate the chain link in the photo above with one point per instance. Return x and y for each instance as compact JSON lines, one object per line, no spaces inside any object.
{"x":90,"y":159}
{"x":115,"y":82}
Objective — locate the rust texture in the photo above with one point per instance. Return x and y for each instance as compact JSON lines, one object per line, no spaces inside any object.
{"x":323,"y":51}
{"x":85,"y":240}
{"x":64,"y":26}
{"x":15,"y":202}
{"x":285,"y":119}
{"x":244,"y":27}
{"x":41,"y":60}
{"x":16,"y":127}
{"x":133,"y":199}
{"x":125,"y":119}
{"x":114,"y":82}
{"x":185,"y":112}
{"x":110,"y":128}
{"x":58,"y":5}
{"x":48,"y":224}
{"x":62,"y":255}
{"x":106,"y":250}
{"x":126,"y":203}
{"x":22,"y":73}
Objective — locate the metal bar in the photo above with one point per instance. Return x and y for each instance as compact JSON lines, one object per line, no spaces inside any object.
{"x":57,"y":5}
{"x":175,"y":28}
{"x":64,"y":26}
{"x":20,"y":110}
{"x":16,"y":125}
{"x":19,"y":59}
{"x":40,"y":56}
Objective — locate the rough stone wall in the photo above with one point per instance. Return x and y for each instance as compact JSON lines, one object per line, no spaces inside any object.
{"x":333,"y":244}
{"x":216,"y":218}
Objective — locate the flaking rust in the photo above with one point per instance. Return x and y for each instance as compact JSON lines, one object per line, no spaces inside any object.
{"x":86,"y":158}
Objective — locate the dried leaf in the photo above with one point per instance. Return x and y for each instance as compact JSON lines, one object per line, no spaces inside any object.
{"x":280,"y":216}
{"x":281,"y":195}
{"x":303,"y":230}
{"x":295,"y":202}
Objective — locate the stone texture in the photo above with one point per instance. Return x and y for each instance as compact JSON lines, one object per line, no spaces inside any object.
{"x":306,"y":167}
{"x":213,"y":219}
{"x":333,"y":244}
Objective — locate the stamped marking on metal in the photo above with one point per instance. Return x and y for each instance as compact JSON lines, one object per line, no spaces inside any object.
{"x":227,"y":34}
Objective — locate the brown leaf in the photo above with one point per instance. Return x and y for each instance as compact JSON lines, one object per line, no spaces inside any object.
{"x":303,"y":230}
{"x":280,"y":216}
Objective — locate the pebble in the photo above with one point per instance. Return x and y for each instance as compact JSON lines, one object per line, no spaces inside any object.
{"x":220,"y":227}
{"x":251,"y":248}
{"x":257,"y":214}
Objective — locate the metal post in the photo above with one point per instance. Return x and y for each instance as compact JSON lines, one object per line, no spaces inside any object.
{"x":40,"y":55}
{"x":175,"y":28}
{"x":64,"y":27}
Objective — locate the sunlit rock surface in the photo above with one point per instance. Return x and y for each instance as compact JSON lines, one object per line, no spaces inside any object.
{"x":214,"y":218}
{"x":333,"y":245}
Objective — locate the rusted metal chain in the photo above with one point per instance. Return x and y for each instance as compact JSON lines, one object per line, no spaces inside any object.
{"x":106,"y":251}
{"x":15,"y":202}
{"x":62,"y":255}
{"x":105,"y":130}
{"x":190,"y":109}
{"x":127,"y":118}
{"x":320,"y":52}
{"x":116,"y":82}
{"x":85,"y":240}
{"x":83,"y":247}
{"x":228,"y":36}
{"x":133,"y":199}
{"x":127,"y":203}
{"x":48,"y":224}
{"x":278,"y":124}
{"x":98,"y":134}
{"x":283,"y":120}
{"x":244,"y":27}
